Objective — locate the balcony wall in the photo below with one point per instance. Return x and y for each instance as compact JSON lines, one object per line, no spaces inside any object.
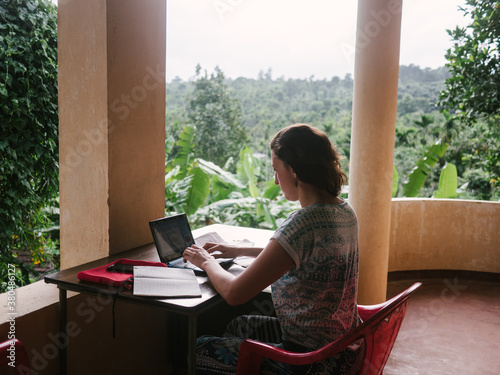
{"x":426,"y":234}
{"x":92,"y":348}
{"x":444,"y":234}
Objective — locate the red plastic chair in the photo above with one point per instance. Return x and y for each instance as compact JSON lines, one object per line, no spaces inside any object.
{"x":379,"y":329}
{"x":13,"y":352}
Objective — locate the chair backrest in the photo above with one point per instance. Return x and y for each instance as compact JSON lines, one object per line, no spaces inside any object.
{"x":378,"y":331}
{"x":381,"y":328}
{"x":13,"y":355}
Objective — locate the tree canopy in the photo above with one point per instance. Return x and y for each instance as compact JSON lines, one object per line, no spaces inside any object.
{"x":217,"y":116}
{"x":268,"y":104}
{"x":473,"y":90}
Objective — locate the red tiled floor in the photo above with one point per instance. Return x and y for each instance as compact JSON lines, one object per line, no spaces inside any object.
{"x":452,"y":326}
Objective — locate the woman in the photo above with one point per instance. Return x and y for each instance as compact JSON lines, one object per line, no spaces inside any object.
{"x":311,"y":261}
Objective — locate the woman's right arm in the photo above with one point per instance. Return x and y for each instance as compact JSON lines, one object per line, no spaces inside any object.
{"x":272,"y":263}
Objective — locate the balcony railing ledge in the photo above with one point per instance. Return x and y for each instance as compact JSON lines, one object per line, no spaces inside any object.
{"x":403,"y":199}
{"x":28,"y":299}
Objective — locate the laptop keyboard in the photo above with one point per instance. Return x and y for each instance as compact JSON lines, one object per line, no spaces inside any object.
{"x":181,"y":264}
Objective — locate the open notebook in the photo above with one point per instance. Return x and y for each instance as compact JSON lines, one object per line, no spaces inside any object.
{"x":165,"y":282}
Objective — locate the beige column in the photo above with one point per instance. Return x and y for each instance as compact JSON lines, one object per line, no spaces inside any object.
{"x":372,"y":139}
{"x":111,"y":123}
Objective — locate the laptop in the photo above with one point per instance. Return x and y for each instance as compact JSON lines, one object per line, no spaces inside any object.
{"x":172,"y":235}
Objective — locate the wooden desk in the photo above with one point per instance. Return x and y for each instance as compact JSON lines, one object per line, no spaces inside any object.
{"x":190,"y":307}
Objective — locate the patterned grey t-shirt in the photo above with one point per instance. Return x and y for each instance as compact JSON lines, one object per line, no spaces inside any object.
{"x":316,"y":300}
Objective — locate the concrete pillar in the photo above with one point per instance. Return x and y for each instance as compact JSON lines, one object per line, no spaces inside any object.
{"x":372,"y":139}
{"x":111,"y":123}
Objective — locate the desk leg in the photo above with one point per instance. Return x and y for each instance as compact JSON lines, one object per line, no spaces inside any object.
{"x":191,"y":355}
{"x":63,"y":349}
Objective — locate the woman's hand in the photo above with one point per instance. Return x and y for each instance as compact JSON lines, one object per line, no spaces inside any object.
{"x":219,"y":250}
{"x":197,"y":256}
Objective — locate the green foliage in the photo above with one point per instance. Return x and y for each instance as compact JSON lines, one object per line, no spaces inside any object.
{"x":470,"y":148}
{"x":473,"y":90}
{"x":208,"y":194}
{"x":417,"y":177}
{"x":414,"y":133}
{"x":477,"y":185}
{"x":29,"y":128}
{"x":241,"y":211}
{"x":270,"y":104}
{"x":395,"y":181}
{"x":247,"y":168}
{"x":188,"y":180}
{"x":477,"y":149}
{"x":447,"y":182}
{"x":217,"y":117}
{"x":184,"y":150}
{"x":419,"y":88}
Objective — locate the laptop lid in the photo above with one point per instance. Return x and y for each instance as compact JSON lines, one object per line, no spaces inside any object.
{"x":171,"y":235}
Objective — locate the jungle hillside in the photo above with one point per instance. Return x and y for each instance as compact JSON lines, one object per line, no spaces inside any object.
{"x":266,"y":104}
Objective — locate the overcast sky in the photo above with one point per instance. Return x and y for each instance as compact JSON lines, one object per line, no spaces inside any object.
{"x":294,"y":38}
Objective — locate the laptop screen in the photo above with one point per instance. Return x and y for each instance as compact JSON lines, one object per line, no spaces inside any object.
{"x":171,"y":235}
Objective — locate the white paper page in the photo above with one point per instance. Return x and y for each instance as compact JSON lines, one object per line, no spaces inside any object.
{"x":163,"y":273}
{"x":165,"y":282}
{"x":214,"y":237}
{"x":208,"y":237}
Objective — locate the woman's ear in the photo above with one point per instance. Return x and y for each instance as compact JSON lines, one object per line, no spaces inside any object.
{"x":295,"y":177}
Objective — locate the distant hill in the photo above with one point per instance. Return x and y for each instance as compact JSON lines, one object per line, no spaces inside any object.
{"x":417,"y":74}
{"x":270,"y":104}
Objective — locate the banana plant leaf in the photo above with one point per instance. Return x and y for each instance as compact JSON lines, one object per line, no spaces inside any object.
{"x":246,"y":169}
{"x":419,"y":174}
{"x":395,"y":181}
{"x":169,"y":145}
{"x":448,"y":182}
{"x":194,"y":189}
{"x":269,"y":217}
{"x":185,"y":144}
{"x":271,"y":190}
{"x":224,"y":176}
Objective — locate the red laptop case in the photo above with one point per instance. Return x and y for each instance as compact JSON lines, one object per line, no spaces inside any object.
{"x":101,"y":275}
